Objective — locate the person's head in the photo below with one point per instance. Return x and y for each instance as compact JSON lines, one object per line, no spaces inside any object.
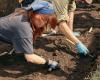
{"x":39,"y":22}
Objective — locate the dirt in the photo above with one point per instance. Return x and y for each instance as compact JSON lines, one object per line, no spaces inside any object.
{"x":72,"y":67}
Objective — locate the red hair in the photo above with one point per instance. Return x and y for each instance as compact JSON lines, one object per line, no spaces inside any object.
{"x":40,"y":21}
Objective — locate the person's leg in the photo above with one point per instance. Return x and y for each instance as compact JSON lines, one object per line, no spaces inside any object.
{"x":71,"y":10}
{"x":70,"y":21}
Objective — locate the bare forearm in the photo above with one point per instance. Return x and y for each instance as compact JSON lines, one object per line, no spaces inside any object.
{"x":68,"y":33}
{"x":33,"y":58}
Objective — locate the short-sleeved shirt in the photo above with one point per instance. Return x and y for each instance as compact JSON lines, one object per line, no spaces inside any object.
{"x":17,"y":30}
{"x":63,"y":7}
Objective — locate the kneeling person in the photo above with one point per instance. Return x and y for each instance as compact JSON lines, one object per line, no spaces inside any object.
{"x":16,"y":29}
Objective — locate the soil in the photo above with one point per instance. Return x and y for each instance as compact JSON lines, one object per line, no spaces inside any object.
{"x":72,"y":67}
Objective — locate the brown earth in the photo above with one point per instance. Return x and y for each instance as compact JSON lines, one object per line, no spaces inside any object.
{"x":14,"y":67}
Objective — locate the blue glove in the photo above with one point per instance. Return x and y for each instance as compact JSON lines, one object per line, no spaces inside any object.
{"x":52,"y":65}
{"x":81,"y":48}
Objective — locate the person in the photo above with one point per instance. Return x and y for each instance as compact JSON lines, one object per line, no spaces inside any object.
{"x":61,"y":13}
{"x":65,"y":22}
{"x":70,"y":10}
{"x":23,"y":3}
{"x":70,"y":16}
{"x":16,"y":29}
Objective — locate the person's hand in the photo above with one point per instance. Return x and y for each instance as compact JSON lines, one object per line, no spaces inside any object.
{"x":81,"y":49}
{"x":52,"y":65}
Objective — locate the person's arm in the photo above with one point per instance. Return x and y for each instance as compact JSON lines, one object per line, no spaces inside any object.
{"x":72,"y":7}
{"x":33,"y":58}
{"x":81,"y":48}
{"x":25,"y":46}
